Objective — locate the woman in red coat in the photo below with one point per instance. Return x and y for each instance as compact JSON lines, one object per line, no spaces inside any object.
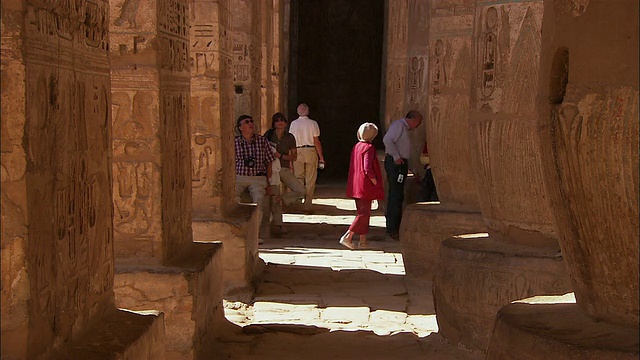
{"x":363,"y":185}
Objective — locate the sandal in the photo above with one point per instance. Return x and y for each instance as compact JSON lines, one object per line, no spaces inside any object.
{"x":363,"y":245}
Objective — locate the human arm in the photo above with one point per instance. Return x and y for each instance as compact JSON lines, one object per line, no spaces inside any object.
{"x":369,"y":158}
{"x":390,"y":139}
{"x":318,"y":144}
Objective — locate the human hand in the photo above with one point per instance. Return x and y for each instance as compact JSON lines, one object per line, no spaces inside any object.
{"x":268,"y":190}
{"x":399,"y":161}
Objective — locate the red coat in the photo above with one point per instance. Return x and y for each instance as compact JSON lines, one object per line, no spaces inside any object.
{"x":364,"y":165}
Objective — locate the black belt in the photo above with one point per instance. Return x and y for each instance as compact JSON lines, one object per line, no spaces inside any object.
{"x":305,"y":146}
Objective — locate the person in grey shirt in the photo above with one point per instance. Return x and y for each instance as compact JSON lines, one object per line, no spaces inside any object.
{"x":398,"y":149}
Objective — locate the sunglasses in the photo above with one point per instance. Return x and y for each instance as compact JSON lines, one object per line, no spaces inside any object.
{"x":248,"y":121}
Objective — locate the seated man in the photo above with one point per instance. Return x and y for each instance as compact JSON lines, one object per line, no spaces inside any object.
{"x":253,"y":168}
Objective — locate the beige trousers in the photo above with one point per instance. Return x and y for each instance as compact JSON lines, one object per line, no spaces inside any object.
{"x":288,"y":197}
{"x":256,"y":186}
{"x":306,"y":170}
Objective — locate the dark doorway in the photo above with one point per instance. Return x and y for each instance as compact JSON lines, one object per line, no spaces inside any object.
{"x":336,"y":60}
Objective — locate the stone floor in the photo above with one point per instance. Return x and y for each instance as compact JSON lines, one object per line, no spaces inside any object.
{"x":319,"y":300}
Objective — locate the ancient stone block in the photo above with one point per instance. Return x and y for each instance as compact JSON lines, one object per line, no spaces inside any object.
{"x":475,"y":277}
{"x":543,"y":328}
{"x":188,"y":292}
{"x":239,"y":236}
{"x":424,"y":226}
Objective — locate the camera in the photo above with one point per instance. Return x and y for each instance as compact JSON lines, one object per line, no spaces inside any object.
{"x":249,"y":162}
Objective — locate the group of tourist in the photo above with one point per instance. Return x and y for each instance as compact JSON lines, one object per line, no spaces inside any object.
{"x":299,"y":154}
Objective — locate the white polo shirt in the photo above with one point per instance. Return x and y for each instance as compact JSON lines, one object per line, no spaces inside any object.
{"x":304,"y":130}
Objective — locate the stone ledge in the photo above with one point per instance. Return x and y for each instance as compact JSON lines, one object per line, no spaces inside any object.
{"x":546,"y":329}
{"x":424,"y":226}
{"x":477,"y":276}
{"x":189,"y":293}
{"x":238,"y":232}
{"x":119,"y":334}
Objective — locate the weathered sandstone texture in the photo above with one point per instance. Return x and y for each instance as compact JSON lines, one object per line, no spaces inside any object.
{"x":238,"y":232}
{"x":521,"y":256}
{"x":57,"y":227}
{"x":588,"y":121}
{"x":154,"y":248}
{"x":425,"y":226}
{"x":189,"y":295}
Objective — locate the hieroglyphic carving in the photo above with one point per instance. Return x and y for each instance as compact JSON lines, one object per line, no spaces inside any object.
{"x":173,"y":35}
{"x":86,"y":21}
{"x":128,"y":12}
{"x":521,"y":82}
{"x":398,"y":17}
{"x":134,"y":174}
{"x":416,"y":78}
{"x":488,"y":51}
{"x":438,"y":69}
{"x":176,"y":170}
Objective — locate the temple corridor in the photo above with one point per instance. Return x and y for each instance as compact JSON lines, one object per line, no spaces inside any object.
{"x":319,"y":300}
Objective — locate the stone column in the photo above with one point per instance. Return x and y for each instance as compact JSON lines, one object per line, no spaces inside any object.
{"x":246,"y":26}
{"x":57,"y":227}
{"x":217,"y":216}
{"x":395,"y":67}
{"x":426,"y":225}
{"x":150,"y":85}
{"x":520,"y":257}
{"x":588,"y":120}
{"x":158,"y":265}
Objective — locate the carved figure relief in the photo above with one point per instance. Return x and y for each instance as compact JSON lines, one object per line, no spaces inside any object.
{"x":489,"y":52}
{"x":133,"y":206}
{"x":128,"y":11}
{"x":416,"y":75}
{"x":438,"y":70}
{"x":398,"y":19}
{"x":201,"y":157}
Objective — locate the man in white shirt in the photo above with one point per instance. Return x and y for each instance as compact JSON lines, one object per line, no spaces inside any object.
{"x":397,"y":143}
{"x":309,"y":148}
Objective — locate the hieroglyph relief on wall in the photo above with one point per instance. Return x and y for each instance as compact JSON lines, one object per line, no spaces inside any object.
{"x":135,"y":172}
{"x":68,"y":179}
{"x":173,"y":35}
{"x":176,"y":170}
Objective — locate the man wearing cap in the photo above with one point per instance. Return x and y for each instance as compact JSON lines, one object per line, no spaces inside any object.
{"x":309,"y":148}
{"x":398,"y":148}
{"x":253,"y":168}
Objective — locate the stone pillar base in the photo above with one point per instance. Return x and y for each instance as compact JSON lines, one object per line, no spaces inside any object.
{"x":542,"y":328}
{"x":188,"y":291}
{"x":119,"y":334}
{"x":476,"y":276}
{"x":238,"y":232}
{"x":424,"y":226}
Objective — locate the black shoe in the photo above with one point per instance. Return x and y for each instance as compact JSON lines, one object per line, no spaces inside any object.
{"x":395,"y":237}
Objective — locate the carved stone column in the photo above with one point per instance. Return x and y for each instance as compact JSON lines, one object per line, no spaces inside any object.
{"x":588,"y":120}
{"x":449,"y":67}
{"x":158,"y":264}
{"x":57,"y":226}
{"x":520,"y":257}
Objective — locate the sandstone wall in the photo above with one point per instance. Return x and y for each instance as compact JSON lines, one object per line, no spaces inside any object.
{"x":152,"y":156}
{"x":211,"y":105}
{"x":57,"y":259}
{"x":588,"y":119}
{"x":450,"y":150}
{"x":513,"y":197}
